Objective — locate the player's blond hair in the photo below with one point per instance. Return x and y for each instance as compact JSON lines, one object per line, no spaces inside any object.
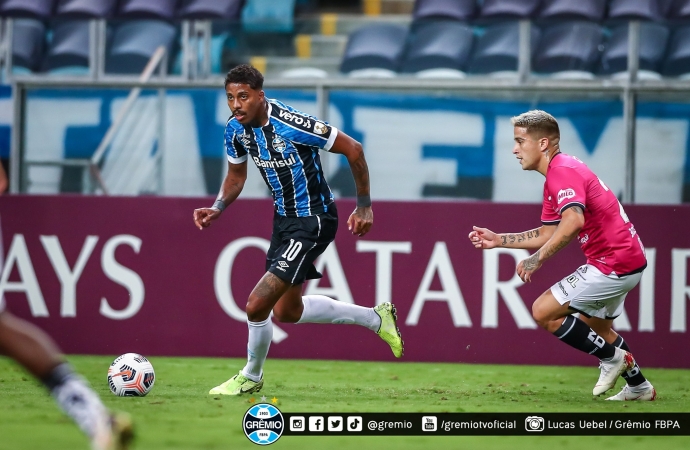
{"x":540,"y":122}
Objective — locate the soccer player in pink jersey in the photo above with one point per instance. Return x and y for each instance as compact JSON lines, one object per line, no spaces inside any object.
{"x":578,"y":205}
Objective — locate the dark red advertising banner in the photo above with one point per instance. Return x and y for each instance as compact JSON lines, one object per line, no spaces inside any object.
{"x":115,"y":275}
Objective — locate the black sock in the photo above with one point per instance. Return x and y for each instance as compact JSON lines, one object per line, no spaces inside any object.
{"x":57,"y":376}
{"x":577,"y":334}
{"x":633,"y":376}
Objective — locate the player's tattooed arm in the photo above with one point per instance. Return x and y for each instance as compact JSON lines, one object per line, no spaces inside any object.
{"x":531,"y":239}
{"x":570,"y":225}
{"x":532,"y":262}
{"x":518,"y":238}
{"x":361,"y":219}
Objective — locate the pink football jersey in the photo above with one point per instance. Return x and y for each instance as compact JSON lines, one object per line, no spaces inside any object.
{"x":608,"y":238}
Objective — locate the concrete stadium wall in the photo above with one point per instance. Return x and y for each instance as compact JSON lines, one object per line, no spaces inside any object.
{"x":107,"y":275}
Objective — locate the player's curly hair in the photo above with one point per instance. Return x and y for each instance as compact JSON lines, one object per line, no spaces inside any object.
{"x":245,"y":74}
{"x":539,"y":121}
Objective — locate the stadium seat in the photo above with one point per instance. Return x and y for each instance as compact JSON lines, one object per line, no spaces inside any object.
{"x":440,"y":73}
{"x":498,"y":48}
{"x":304,"y":72}
{"x":69,"y":46}
{"x":679,"y":10}
{"x":147,"y":9}
{"x":40,"y":9}
{"x":509,"y":9}
{"x":573,"y":10}
{"x":448,"y":9}
{"x":677,"y":61}
{"x":571,"y":46}
{"x":377,"y":46}
{"x":134,"y":42}
{"x":439,"y":44}
{"x":653,"y":40}
{"x":654,"y":10}
{"x":83,"y":9}
{"x":268,"y":16}
{"x":28,"y":43}
{"x":372,"y":73}
{"x":210,"y":9}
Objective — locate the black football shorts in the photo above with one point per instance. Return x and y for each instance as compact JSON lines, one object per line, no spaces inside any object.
{"x":297,"y":241}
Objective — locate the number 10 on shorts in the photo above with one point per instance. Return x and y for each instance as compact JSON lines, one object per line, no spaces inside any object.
{"x":292,"y":250}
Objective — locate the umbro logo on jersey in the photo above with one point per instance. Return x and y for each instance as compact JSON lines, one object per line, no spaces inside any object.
{"x":294,"y":118}
{"x":565,"y":193}
{"x":282,"y":265}
{"x":274,"y":163}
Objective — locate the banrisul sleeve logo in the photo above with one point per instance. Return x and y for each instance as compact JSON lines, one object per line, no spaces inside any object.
{"x":263,"y":424}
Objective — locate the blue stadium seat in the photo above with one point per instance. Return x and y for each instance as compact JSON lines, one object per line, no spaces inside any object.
{"x":509,"y":9}
{"x":653,"y":40}
{"x":135,"y":41}
{"x":210,"y":9}
{"x":498,"y":48}
{"x":571,"y":46}
{"x":28,"y":43}
{"x":83,"y":9}
{"x":69,"y":46}
{"x":40,"y":9}
{"x":268,"y":16}
{"x":678,"y":57}
{"x":654,"y":10}
{"x":439,"y":44}
{"x":573,"y":9}
{"x":147,"y":9}
{"x":378,"y":46}
{"x":679,"y":10}
{"x":452,"y":9}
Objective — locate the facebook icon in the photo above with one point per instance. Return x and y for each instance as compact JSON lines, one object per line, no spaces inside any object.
{"x":316,"y":423}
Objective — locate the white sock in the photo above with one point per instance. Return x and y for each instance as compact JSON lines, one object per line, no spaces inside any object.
{"x":260,"y":335}
{"x":81,"y":403}
{"x":322,"y":309}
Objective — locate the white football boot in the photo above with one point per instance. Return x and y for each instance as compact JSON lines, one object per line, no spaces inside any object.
{"x":643,"y":392}
{"x":612,"y":369}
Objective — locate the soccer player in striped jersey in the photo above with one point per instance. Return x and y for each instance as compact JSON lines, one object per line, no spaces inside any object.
{"x":578,"y":205}
{"x":284,"y":145}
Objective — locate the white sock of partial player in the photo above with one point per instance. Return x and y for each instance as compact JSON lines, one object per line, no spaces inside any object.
{"x":77,"y":400}
{"x":260,"y":335}
{"x":322,"y":309}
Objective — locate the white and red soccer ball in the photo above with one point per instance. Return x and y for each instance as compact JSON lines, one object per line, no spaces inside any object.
{"x":131,"y":375}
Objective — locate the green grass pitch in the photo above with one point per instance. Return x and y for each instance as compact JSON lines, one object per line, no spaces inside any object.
{"x":179,"y":414}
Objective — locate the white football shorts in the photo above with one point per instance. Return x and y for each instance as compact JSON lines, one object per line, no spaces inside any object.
{"x":594,"y":294}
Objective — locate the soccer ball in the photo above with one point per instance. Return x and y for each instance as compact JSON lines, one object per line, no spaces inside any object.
{"x":131,"y":375}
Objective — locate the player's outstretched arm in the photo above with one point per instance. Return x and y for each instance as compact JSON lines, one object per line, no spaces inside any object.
{"x":483,"y":238}
{"x":572,"y":221}
{"x":229,"y":191}
{"x":362,"y":217}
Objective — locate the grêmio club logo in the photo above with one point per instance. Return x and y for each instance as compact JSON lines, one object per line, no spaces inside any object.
{"x":263,"y":424}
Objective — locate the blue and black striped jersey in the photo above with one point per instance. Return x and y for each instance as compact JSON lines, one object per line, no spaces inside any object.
{"x":286,"y":151}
